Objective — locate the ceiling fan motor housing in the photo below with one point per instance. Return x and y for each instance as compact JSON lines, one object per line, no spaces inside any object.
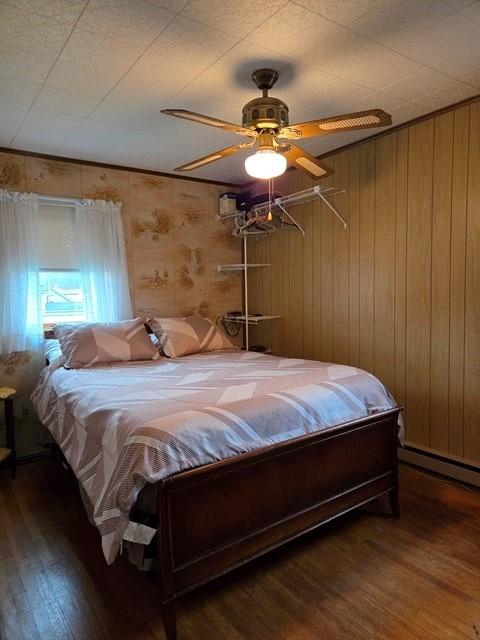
{"x":265,"y":113}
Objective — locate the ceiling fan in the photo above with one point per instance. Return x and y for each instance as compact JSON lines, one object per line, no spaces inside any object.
{"x":265,"y":123}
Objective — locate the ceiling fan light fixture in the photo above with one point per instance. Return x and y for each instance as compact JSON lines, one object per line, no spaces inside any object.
{"x":265,"y":164}
{"x":265,"y":122}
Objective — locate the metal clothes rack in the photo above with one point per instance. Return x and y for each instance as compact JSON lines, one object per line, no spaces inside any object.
{"x":260,"y":212}
{"x":245,"y":319}
{"x":314,"y":193}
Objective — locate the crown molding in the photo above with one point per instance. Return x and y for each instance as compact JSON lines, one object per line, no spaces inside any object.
{"x":118,"y":167}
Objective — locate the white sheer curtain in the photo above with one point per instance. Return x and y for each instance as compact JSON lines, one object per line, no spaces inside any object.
{"x":20,"y":321}
{"x":100,"y":246}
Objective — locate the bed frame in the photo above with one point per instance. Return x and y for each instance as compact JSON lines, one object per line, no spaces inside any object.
{"x":217,"y":517}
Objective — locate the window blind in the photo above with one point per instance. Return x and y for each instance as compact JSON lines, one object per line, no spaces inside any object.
{"x":56,"y":245}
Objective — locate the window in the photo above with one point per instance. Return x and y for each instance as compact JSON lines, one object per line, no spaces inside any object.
{"x":62,"y":297}
{"x":61,"y":293}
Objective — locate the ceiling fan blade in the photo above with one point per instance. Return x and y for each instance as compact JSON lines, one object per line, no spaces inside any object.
{"x":212,"y":122}
{"x":334,"y":124}
{"x":306,"y":162}
{"x":212,"y":157}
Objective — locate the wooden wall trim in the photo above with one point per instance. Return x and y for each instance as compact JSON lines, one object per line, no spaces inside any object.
{"x":45,"y":156}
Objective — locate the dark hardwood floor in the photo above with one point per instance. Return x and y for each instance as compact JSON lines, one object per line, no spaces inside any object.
{"x":366,"y":577}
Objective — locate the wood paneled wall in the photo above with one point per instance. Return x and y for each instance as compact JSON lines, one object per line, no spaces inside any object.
{"x":397,"y":292}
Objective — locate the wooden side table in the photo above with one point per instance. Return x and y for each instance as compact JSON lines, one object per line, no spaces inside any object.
{"x":9,"y":454}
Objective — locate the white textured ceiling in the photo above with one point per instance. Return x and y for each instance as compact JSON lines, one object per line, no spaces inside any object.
{"x":86,"y":79}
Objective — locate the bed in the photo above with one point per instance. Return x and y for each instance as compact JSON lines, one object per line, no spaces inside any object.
{"x":246,"y":451}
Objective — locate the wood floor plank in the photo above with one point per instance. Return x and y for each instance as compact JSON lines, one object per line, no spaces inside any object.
{"x":365,"y":577}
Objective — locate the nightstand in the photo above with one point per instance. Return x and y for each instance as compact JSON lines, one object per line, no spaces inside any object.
{"x":9,"y":454}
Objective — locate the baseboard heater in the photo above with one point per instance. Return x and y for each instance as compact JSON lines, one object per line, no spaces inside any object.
{"x":455,"y":469}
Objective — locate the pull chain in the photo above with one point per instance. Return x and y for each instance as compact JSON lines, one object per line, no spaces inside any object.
{"x":269,"y":215}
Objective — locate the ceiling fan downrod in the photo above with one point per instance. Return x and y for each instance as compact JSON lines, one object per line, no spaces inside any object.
{"x":265,"y":79}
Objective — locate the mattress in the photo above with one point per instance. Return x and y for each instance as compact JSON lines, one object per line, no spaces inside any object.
{"x":125,"y":425}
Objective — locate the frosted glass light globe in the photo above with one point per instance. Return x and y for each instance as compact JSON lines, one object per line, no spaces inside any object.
{"x":265,"y":164}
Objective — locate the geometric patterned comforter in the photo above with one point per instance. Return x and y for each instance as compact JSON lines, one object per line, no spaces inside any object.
{"x":123,"y":425}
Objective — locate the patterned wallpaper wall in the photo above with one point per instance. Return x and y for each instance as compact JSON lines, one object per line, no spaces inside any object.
{"x":174,"y":244}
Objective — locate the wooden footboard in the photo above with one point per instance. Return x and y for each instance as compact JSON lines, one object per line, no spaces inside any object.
{"x":217,"y":517}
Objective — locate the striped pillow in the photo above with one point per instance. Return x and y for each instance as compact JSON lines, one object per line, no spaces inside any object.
{"x":87,"y":344}
{"x":182,"y":336}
